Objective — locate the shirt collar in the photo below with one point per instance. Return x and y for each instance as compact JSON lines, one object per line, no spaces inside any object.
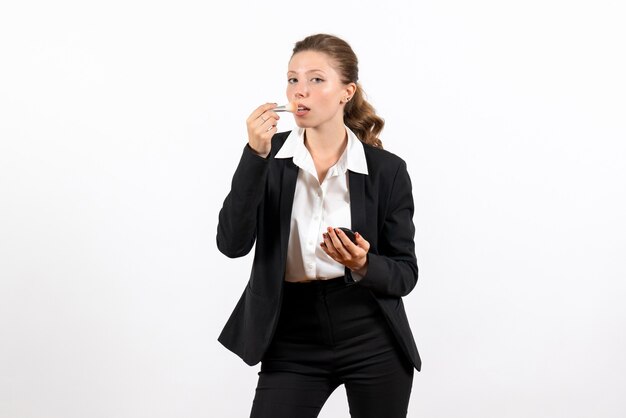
{"x":352,"y":159}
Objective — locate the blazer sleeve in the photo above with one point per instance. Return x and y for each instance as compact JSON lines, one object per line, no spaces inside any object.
{"x":236,"y":229}
{"x":393,"y":270}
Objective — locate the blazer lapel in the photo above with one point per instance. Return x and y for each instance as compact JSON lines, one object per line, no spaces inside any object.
{"x":287,"y":191}
{"x":357,"y":201}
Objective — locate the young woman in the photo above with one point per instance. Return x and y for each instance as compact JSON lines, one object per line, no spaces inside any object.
{"x":321,"y":310}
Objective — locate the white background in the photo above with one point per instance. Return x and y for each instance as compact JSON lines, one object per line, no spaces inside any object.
{"x":121,"y":124}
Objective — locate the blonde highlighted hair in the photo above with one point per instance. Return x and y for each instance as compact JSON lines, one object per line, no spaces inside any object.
{"x":359,"y":115}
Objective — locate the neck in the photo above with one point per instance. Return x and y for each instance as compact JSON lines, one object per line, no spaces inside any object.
{"x":326,"y":141}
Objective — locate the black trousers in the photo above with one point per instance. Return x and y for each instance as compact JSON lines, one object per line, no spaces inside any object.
{"x":332,"y":333}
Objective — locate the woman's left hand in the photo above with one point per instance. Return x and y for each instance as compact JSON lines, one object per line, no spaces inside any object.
{"x":339,"y":247}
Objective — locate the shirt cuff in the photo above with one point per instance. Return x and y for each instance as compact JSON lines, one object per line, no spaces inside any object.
{"x":352,"y":276}
{"x":356,"y":276}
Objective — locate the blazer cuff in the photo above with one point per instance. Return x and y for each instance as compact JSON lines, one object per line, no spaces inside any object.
{"x":249,"y":149}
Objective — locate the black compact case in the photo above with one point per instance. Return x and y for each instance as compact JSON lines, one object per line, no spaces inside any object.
{"x":349,"y":233}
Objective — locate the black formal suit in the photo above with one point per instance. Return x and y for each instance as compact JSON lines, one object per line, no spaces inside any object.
{"x":258,"y":207}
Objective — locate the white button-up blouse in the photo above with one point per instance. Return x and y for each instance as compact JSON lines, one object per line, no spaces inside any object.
{"x":317,"y":206}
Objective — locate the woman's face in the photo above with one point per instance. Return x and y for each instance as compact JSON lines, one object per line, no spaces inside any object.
{"x":314,"y":84}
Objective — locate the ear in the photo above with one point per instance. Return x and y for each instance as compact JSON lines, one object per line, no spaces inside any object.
{"x":350,"y":89}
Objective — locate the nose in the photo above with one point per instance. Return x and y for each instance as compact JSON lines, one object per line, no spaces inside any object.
{"x":300,"y":90}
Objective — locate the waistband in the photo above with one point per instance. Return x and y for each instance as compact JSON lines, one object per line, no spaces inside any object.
{"x":320,"y":283}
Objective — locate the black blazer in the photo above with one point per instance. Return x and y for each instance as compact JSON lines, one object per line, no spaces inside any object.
{"x":258,"y":207}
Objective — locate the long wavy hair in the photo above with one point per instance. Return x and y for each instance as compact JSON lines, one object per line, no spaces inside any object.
{"x":358,"y":115}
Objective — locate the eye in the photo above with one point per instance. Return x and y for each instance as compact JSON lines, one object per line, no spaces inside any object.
{"x":292,"y":80}
{"x":317,"y":80}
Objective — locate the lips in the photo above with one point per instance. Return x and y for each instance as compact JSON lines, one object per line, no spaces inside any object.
{"x":301,"y":110}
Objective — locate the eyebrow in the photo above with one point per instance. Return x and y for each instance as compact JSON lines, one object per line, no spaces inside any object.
{"x":310,"y":71}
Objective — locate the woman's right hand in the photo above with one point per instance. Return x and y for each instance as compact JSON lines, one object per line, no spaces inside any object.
{"x":261,"y":128}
